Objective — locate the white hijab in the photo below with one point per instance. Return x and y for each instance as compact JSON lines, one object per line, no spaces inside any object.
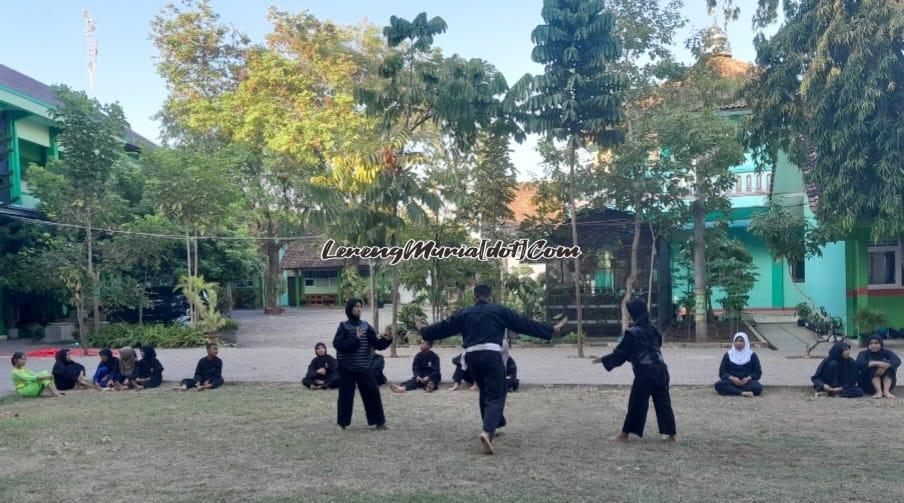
{"x":743,"y":356}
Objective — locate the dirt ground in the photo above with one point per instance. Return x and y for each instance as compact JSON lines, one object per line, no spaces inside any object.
{"x":258,"y":442}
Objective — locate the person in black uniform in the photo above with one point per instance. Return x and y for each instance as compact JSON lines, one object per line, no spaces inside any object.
{"x":208,"y":373}
{"x":323,"y":371}
{"x":511,"y":374}
{"x":355,"y":342}
{"x":425,"y":370}
{"x":640,"y":345}
{"x":482,"y":327}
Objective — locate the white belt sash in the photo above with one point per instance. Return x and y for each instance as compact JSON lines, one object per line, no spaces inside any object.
{"x":489,"y":346}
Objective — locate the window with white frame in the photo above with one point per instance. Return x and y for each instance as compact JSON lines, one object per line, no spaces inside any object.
{"x":886,"y":266}
{"x":759,"y":183}
{"x":321,"y":278}
{"x":739,"y":186}
{"x":749,"y":184}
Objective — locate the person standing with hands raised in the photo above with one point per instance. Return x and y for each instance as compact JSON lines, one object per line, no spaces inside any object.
{"x":355,"y":342}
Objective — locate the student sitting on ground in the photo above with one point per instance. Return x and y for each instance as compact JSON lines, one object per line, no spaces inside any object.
{"x":740,"y":371}
{"x":149,"y":372}
{"x":460,"y":376}
{"x":837,"y":374}
{"x":378,"y":365}
{"x":208,"y":373}
{"x":107,"y":371}
{"x":68,"y":374}
{"x":877,"y":368}
{"x":128,"y":363}
{"x":425,"y":368}
{"x":511,"y":374}
{"x":323,"y":372}
{"x":29,"y":384}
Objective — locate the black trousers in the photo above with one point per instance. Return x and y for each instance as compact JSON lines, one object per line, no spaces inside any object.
{"x":725,"y":388}
{"x":462,"y":375}
{"x":489,"y":374}
{"x":370,"y":395}
{"x":412,"y":383}
{"x":329,"y":382}
{"x":192,"y":383}
{"x":639,"y":404}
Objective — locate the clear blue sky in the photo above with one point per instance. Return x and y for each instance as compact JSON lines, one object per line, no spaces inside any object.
{"x":43,"y":39}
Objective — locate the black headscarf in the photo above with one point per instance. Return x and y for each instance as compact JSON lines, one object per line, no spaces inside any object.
{"x":637,"y":308}
{"x":148,"y":353}
{"x":837,"y":351}
{"x":61,"y":356}
{"x":878,"y":355}
{"x":349,"y":305}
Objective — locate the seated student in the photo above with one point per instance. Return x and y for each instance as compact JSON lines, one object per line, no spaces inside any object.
{"x":323,"y":372}
{"x":68,"y":374}
{"x":149,"y":372}
{"x":377,"y":366}
{"x":107,"y":371}
{"x":29,"y":384}
{"x":837,"y":374}
{"x":877,"y":368}
{"x":425,"y":368}
{"x":208,"y":373}
{"x":460,"y":376}
{"x":128,"y":363}
{"x":511,"y":374}
{"x":740,"y":371}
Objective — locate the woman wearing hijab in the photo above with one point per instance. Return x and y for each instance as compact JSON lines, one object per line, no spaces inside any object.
{"x":68,"y":374}
{"x":107,"y":373}
{"x":355,"y":342}
{"x":740,"y":371}
{"x":877,"y":368}
{"x":128,"y":363}
{"x":29,"y":384}
{"x":837,"y":374}
{"x":640,"y":345}
{"x":149,"y":371}
{"x":323,"y":372}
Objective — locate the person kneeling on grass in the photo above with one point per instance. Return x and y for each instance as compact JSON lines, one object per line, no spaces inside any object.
{"x":425,"y":368}
{"x":837,"y":373}
{"x":323,"y":372}
{"x":107,"y":372}
{"x":208,"y":373}
{"x":877,"y":368}
{"x":128,"y":365}
{"x":460,"y":375}
{"x":740,"y":371}
{"x":68,"y":374}
{"x":29,"y":384}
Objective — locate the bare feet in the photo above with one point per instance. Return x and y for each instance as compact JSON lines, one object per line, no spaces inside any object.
{"x":878,"y":395}
{"x":473,"y":387}
{"x":621,"y":437}
{"x":180,"y":388}
{"x":430,"y":387}
{"x":341,"y":428}
{"x":889,"y":395}
{"x":454,"y":387}
{"x":396,"y":388}
{"x":747,"y":394}
{"x":486,"y":442}
{"x":670,"y":439}
{"x":380,"y":427}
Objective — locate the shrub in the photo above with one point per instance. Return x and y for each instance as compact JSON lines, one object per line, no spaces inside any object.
{"x":802,"y":310}
{"x":118,"y":335}
{"x":230,"y":324}
{"x":868,"y":321}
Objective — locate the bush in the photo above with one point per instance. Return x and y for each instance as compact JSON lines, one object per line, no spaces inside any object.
{"x":118,"y":335}
{"x":868,"y":321}
{"x":450,"y":341}
{"x":803,"y":310}
{"x":230,"y":325}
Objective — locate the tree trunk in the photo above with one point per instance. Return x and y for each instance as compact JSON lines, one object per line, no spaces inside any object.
{"x":574,"y":241}
{"x":699,"y":271}
{"x":395,"y":311}
{"x":374,"y":297}
{"x":272,"y":277}
{"x":632,"y":278}
{"x":89,"y":238}
{"x":229,"y":299}
{"x":82,"y":329}
{"x":652,"y":266}
{"x":191,"y":307}
{"x":195,"y":244}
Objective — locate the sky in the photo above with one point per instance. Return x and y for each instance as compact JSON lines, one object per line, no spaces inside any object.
{"x":44,"y":40}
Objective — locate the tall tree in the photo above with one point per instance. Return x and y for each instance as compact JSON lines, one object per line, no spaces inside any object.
{"x":576,"y":99}
{"x":78,"y":189}
{"x":830,"y":93}
{"x":421,"y":89}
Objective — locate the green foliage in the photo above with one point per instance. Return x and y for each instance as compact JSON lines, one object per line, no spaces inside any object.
{"x":494,"y":186}
{"x":802,"y":310}
{"x":788,"y":235}
{"x":230,"y":325}
{"x":829,"y":94}
{"x":117,"y":335}
{"x":868,"y":321}
{"x":351,"y":284}
{"x":203,"y":297}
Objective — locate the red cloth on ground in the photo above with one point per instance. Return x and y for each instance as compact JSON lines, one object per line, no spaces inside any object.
{"x":51,"y":352}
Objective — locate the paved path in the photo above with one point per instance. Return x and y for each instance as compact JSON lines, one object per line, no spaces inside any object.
{"x":290,"y":339}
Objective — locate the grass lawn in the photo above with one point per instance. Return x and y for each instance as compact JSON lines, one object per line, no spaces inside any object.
{"x":280,"y":443}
